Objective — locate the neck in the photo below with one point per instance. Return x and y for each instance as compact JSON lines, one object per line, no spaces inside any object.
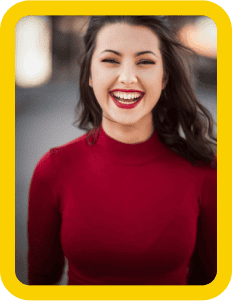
{"x":129,"y":133}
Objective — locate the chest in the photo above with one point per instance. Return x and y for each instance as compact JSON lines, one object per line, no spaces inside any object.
{"x":129,"y":212}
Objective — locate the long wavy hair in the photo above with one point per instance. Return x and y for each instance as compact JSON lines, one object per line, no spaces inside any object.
{"x":177,"y":109}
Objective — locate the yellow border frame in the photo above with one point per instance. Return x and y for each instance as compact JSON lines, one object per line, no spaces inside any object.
{"x":7,"y":220}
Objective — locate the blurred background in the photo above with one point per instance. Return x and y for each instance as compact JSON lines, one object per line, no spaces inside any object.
{"x":47,"y":67}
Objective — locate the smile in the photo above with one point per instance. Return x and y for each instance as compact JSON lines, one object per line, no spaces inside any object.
{"x":128,"y":97}
{"x":126,"y":100}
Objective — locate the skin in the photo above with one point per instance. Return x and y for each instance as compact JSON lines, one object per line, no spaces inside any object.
{"x":127,"y":72}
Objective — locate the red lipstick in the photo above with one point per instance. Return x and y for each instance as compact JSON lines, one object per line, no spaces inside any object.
{"x":124,"y":105}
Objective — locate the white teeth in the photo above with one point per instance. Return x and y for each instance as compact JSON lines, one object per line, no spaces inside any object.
{"x":125,"y":95}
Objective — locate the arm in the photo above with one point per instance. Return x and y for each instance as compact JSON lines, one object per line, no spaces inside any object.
{"x":203,"y":266}
{"x":45,"y":256}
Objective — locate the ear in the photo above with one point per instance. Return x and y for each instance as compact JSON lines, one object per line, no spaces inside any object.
{"x":90,"y":82}
{"x":165,"y":81}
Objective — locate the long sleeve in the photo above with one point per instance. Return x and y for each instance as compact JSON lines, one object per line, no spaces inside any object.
{"x":203,"y":268}
{"x":45,"y":256}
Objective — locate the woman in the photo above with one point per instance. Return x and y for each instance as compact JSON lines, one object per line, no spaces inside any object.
{"x":131,"y":202}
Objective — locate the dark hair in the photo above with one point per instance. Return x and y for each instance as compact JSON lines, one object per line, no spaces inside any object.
{"x":177,"y":109}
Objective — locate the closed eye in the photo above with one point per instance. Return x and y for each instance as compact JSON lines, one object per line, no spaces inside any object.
{"x":110,"y":61}
{"x":145,"y":62}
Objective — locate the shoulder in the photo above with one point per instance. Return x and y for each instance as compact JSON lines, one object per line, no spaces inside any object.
{"x":202,"y":174}
{"x":73,"y":145}
{"x":177,"y":161}
{"x":69,"y":151}
{"x":61,"y":155}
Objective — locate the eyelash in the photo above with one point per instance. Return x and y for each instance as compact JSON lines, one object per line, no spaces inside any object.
{"x":149,"y":62}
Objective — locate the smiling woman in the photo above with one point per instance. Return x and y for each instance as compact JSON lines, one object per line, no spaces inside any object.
{"x":131,"y":202}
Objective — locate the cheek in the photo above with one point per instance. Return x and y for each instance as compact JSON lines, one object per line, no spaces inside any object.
{"x":102,"y":79}
{"x":153,"y":77}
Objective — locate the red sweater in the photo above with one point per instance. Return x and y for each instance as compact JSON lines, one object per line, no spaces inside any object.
{"x":132,"y":214}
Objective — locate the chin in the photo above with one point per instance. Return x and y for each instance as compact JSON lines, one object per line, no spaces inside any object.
{"x":127,"y":123}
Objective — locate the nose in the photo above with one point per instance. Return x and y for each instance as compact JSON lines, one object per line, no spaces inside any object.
{"x":128,"y":76}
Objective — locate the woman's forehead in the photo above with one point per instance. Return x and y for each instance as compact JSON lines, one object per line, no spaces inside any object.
{"x":126,"y":36}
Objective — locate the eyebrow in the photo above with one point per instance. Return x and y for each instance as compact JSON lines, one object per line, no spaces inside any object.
{"x":137,"y":53}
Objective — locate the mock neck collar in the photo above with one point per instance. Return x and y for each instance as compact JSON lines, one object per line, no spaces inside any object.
{"x":130,"y":154}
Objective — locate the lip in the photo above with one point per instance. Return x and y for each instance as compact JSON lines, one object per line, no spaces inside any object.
{"x":125,"y":106}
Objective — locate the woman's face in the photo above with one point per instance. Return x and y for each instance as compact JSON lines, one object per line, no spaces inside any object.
{"x":127,"y":71}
